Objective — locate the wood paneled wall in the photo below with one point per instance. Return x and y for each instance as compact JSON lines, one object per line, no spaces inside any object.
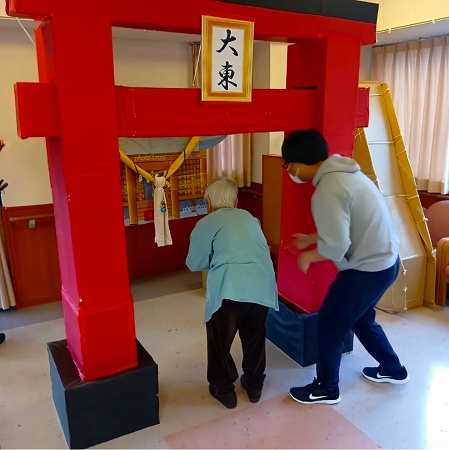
{"x":33,"y":255}
{"x":146,"y":258}
{"x":34,"y":261}
{"x":428,"y":199}
{"x":251,"y":199}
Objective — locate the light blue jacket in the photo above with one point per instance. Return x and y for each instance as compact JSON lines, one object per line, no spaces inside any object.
{"x":352,"y":218}
{"x":230,"y":244}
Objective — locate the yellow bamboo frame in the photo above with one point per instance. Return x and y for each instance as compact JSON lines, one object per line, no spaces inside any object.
{"x":194,"y":141}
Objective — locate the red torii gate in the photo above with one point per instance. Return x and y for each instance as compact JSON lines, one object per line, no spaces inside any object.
{"x":81,"y":112}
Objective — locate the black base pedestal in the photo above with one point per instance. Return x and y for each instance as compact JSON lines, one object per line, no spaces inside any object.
{"x":97,"y":411}
{"x":296,"y":334}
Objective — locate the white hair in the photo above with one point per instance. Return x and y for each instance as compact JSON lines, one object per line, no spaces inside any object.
{"x":222,"y":193}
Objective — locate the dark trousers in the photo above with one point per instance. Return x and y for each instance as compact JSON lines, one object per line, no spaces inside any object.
{"x":349,"y":304}
{"x":249,"y":320}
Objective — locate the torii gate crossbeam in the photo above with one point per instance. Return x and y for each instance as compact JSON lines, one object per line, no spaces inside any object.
{"x":185,"y":17}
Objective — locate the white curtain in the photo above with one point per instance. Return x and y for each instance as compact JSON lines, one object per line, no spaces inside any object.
{"x":418,"y":76}
{"x":232,"y":157}
{"x":7,"y":298}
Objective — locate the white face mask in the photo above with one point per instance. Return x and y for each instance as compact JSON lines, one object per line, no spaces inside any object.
{"x":296,"y":179}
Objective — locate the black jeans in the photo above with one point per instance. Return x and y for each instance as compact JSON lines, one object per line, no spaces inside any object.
{"x":349,"y":304}
{"x":249,"y":320}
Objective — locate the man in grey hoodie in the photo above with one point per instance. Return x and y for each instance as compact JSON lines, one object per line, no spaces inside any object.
{"x":355,"y":230}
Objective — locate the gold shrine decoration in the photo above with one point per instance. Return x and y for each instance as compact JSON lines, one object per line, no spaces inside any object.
{"x":227,"y":59}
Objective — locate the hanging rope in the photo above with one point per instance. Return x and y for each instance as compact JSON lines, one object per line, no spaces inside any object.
{"x":26,"y":32}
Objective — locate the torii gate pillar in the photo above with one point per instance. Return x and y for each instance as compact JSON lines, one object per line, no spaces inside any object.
{"x":96,"y":298}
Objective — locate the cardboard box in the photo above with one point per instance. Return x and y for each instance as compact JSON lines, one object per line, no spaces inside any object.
{"x":381,"y":154}
{"x":304,"y":290}
{"x":296,"y":334}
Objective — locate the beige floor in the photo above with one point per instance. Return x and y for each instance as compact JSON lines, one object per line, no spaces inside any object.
{"x":170,"y":327}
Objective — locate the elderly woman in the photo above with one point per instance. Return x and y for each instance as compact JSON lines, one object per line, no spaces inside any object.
{"x":241,"y":286}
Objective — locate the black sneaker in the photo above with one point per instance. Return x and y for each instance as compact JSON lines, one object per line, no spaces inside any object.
{"x":2,"y":337}
{"x":253,"y":393}
{"x":379,"y":375}
{"x":315,"y":393}
{"x":229,"y":399}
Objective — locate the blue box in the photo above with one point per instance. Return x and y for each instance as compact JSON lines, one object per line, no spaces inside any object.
{"x":296,"y":334}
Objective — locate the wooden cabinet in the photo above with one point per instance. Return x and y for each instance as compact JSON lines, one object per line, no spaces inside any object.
{"x":272,"y":202}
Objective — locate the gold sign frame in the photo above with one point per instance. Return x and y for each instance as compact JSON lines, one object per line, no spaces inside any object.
{"x":208,"y":94}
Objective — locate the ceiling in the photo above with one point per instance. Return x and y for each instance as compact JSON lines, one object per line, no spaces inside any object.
{"x":149,"y":35}
{"x":422,"y":31}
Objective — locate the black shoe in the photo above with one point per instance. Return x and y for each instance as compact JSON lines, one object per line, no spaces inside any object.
{"x":229,"y":399}
{"x":2,"y":337}
{"x":379,"y":375}
{"x":254,"y":394}
{"x":315,"y":393}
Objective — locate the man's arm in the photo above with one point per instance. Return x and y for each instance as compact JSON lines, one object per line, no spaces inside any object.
{"x":332,"y":219}
{"x":310,"y":257}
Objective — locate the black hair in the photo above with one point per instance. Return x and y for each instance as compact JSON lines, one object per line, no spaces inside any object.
{"x":305,"y":146}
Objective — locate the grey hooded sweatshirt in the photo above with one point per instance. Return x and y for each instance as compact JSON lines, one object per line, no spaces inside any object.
{"x":353,"y":221}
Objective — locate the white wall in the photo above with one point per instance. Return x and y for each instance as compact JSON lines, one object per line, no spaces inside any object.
{"x":261,"y":80}
{"x":397,"y":13}
{"x":269,"y":72}
{"x":278,"y":80}
{"x":23,"y":164}
{"x":365,"y":63}
{"x":152,"y":63}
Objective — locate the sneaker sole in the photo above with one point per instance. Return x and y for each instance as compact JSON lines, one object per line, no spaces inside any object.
{"x":387,"y":380}
{"x":324,"y":402}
